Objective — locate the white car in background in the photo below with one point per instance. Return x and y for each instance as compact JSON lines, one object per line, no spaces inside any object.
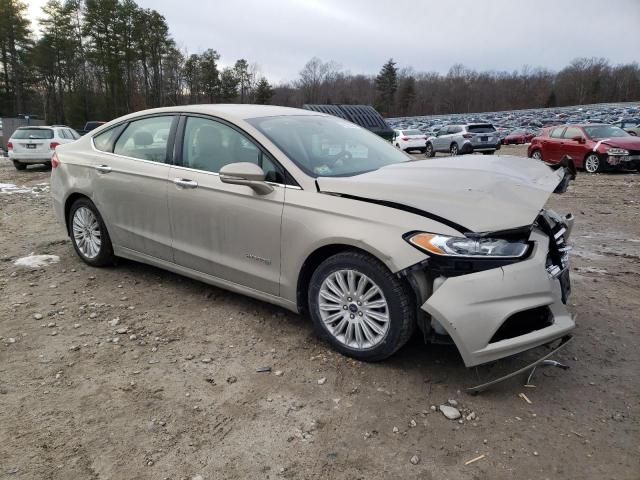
{"x":407,"y":140}
{"x":31,"y":145}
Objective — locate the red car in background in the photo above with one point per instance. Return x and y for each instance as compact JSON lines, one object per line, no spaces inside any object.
{"x":593,"y":147}
{"x":519,"y":137}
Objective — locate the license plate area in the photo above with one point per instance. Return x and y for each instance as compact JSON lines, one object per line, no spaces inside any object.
{"x":31,"y":146}
{"x":484,"y":139}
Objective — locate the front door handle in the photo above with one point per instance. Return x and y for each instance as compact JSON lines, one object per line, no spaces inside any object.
{"x":185,"y":183}
{"x":103,"y":168}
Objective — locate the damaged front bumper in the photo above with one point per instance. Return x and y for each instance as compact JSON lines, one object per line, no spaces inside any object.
{"x":499,"y":312}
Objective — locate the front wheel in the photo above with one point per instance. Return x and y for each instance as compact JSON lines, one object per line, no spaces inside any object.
{"x":453,"y":150}
{"x":18,"y":165}
{"x":89,"y":234}
{"x":362,"y":309}
{"x":429,"y":151}
{"x":593,"y":163}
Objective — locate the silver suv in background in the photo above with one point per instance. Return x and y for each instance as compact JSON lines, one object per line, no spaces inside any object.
{"x":30,"y":145}
{"x":461,"y":139}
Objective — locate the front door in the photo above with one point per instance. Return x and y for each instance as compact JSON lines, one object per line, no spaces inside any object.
{"x":227,"y":231}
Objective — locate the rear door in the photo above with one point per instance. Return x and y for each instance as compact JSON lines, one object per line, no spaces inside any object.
{"x":552,"y":151}
{"x":130,"y":184}
{"x":223,"y":230}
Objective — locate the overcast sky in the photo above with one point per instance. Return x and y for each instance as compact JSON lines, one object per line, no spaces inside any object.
{"x":281,"y":35}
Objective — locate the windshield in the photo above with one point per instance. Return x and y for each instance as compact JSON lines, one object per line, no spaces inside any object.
{"x":32,"y":133}
{"x":412,"y":132}
{"x":605,"y":131}
{"x":328,"y":146}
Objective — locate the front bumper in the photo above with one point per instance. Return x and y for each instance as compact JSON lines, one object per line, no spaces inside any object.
{"x":631,"y":161}
{"x":473,"y":307}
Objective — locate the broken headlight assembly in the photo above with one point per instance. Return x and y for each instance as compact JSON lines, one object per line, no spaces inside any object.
{"x":467,"y":247}
{"x":617,"y":151}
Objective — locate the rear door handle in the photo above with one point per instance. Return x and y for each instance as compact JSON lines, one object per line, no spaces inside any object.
{"x":185,"y":183}
{"x":103,"y":168}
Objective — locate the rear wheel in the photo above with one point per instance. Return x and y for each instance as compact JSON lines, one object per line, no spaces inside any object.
{"x":18,"y":165}
{"x":537,"y":155}
{"x":89,"y":234}
{"x":453,"y":149}
{"x":593,"y":163}
{"x":429,"y":151}
{"x":362,"y":309}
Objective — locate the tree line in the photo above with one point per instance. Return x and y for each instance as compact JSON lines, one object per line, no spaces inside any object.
{"x":98,"y":59}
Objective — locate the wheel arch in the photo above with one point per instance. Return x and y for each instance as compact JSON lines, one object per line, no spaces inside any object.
{"x":313,"y":261}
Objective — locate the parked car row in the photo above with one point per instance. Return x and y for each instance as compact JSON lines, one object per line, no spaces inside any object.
{"x":520,"y":126}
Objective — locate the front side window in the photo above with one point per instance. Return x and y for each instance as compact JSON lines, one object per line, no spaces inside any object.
{"x":572,"y":132}
{"x":210,"y":145}
{"x":324,"y":146}
{"x":145,"y":139}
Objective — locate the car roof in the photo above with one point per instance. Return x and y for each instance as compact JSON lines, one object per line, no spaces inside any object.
{"x":238,"y":111}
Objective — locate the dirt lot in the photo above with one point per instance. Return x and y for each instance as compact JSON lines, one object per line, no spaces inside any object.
{"x":170,"y":389}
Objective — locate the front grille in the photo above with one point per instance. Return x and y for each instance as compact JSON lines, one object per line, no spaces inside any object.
{"x":524,"y":322}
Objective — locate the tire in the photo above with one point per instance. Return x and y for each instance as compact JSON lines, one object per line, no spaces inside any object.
{"x":593,"y":163}
{"x":19,"y":166}
{"x":88,"y":220}
{"x":429,"y":152}
{"x":48,"y":165}
{"x":453,"y":149}
{"x":537,"y":155}
{"x":378,"y":339}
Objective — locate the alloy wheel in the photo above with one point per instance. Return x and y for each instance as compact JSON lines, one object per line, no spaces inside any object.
{"x":86,"y":232}
{"x":537,"y":155}
{"x":592,"y":163}
{"x":353,"y":309}
{"x":454,"y":150}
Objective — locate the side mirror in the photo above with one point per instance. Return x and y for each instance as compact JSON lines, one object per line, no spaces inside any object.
{"x":579,"y":139}
{"x":245,"y":173}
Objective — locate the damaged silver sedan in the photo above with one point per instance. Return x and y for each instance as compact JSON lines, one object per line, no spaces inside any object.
{"x":322,"y":217}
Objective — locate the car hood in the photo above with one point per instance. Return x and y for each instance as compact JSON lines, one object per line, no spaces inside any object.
{"x":471,"y":193}
{"x":628,"y":143}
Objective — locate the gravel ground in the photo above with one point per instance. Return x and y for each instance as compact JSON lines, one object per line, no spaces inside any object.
{"x":133,"y":372}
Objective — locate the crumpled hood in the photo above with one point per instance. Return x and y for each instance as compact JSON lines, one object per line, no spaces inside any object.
{"x":628,"y":143}
{"x":479,"y":193}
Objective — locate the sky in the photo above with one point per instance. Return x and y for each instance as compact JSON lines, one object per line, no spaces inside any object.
{"x":430,"y":36}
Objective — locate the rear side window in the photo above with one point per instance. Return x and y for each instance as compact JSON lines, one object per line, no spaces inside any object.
{"x":73,"y":134}
{"x":145,"y":139}
{"x":32,"y":134}
{"x":488,"y":128}
{"x":557,"y":132}
{"x":62,"y":133}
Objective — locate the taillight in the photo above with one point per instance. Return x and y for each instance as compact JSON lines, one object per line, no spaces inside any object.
{"x":55,"y":161}
{"x":53,"y":145}
{"x":467,"y":135}
{"x":404,"y":138}
{"x":9,"y":146}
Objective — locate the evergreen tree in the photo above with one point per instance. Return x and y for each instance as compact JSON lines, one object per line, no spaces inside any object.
{"x":386,"y":86}
{"x":209,"y":75}
{"x":228,"y":85}
{"x":264,"y":92}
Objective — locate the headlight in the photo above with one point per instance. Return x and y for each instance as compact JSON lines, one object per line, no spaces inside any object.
{"x":617,"y":151}
{"x":467,"y":247}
